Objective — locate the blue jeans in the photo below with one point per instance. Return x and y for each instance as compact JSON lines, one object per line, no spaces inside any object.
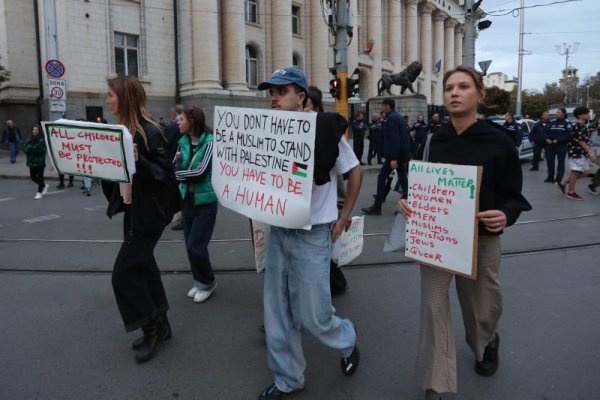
{"x":558,"y":152}
{"x":13,"y":150}
{"x":198,"y":225}
{"x":297,"y":298}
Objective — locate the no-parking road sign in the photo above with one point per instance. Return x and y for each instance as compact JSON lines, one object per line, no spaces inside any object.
{"x":55,"y":68}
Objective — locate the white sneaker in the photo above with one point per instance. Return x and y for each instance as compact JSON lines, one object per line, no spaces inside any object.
{"x":192,"y":292}
{"x":37,"y":196}
{"x":202,"y":295}
{"x":45,"y":189}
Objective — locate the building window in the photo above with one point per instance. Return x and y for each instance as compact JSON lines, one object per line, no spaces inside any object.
{"x":251,"y":11}
{"x":297,"y":60}
{"x":295,"y":20}
{"x":251,"y":66}
{"x":126,"y":54}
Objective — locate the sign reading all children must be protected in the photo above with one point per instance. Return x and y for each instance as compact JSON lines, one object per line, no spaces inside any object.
{"x":442,"y":230}
{"x":262,"y":164}
{"x":90,"y":149}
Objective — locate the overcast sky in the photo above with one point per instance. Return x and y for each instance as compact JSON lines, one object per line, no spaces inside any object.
{"x":545,"y":27}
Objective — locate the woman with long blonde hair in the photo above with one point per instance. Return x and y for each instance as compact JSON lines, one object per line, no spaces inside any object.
{"x":148,"y":205}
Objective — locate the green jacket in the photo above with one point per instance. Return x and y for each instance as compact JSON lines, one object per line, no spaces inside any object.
{"x":197,"y":169}
{"x":35,"y":148}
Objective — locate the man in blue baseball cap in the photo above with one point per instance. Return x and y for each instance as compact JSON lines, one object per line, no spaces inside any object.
{"x":297,"y":295}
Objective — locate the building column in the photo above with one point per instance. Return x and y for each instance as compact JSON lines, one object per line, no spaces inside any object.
{"x":426,"y":49}
{"x":412,"y":36}
{"x":375,"y":31}
{"x":438,"y":55}
{"x":449,"y":44}
{"x":234,"y":43}
{"x":282,"y":33}
{"x":205,"y":56}
{"x":319,"y":49}
{"x":458,"y":42}
{"x":395,"y":33}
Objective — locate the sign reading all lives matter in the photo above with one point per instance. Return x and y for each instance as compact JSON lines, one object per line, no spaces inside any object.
{"x":90,"y":149}
{"x":263,"y":163}
{"x":442,"y":230}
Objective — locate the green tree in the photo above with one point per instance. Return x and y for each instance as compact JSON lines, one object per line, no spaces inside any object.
{"x":553,"y":93}
{"x":497,"y":101}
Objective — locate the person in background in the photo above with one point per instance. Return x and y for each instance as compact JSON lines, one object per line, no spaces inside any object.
{"x":420,"y":128}
{"x":359,"y":128}
{"x":35,"y":149}
{"x":538,"y":136}
{"x":516,"y":133}
{"x":11,"y":135}
{"x":173,"y":135}
{"x":580,"y":154}
{"x":194,"y":170}
{"x":148,"y":203}
{"x":61,"y":181}
{"x":557,"y":138}
{"x":468,"y":141}
{"x":375,"y":139}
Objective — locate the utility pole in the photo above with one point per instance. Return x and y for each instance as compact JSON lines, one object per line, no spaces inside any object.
{"x":51,"y":46}
{"x":520,"y":73}
{"x":567,"y":50}
{"x":469,"y":35}
{"x":341,"y":55}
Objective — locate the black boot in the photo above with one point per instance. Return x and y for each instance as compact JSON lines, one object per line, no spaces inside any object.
{"x":375,"y":209}
{"x":152,"y":335}
{"x":489,"y":364}
{"x":163,"y":334}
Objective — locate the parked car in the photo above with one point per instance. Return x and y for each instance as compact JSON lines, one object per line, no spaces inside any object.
{"x":526,"y":148}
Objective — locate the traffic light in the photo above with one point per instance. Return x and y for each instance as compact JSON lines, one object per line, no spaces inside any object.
{"x":335,"y":88}
{"x":352,"y":87}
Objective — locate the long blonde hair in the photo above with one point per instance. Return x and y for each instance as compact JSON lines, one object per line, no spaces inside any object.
{"x":132,"y":105}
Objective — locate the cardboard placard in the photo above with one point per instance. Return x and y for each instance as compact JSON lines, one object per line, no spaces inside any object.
{"x":263,"y":164}
{"x":90,"y":149}
{"x":350,"y":243}
{"x":442,"y":231}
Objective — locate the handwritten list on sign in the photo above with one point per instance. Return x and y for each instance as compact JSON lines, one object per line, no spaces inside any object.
{"x":90,"y":149}
{"x":263,"y":164}
{"x":442,"y":230}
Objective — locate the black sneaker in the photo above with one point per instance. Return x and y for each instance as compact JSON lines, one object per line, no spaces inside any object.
{"x":592,"y":189}
{"x":272,"y":393}
{"x":549,"y":180}
{"x":350,"y":363}
{"x":60,"y":186}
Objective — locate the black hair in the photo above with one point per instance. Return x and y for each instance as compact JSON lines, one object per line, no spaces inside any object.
{"x":389,"y":102}
{"x":316,"y":97}
{"x":580,"y":111}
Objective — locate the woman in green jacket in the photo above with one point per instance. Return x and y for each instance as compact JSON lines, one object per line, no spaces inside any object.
{"x":193,"y":169}
{"x":35,"y":148}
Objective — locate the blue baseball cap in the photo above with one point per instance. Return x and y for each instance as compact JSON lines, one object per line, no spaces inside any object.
{"x":285,"y":76}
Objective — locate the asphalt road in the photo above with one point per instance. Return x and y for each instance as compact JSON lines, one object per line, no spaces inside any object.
{"x":62,"y":337}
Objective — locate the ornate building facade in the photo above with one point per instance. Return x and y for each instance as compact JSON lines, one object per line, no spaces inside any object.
{"x":212,"y":52}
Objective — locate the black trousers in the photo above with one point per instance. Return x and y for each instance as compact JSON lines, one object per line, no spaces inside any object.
{"x":375,"y":148}
{"x":537,"y":155}
{"x":359,"y":145}
{"x":37,"y":175}
{"x":136,"y":279}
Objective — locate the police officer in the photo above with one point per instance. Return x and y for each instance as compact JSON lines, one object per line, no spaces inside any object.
{"x":375,"y":139}
{"x":516,"y":133}
{"x":556,"y":145}
{"x":537,"y":137}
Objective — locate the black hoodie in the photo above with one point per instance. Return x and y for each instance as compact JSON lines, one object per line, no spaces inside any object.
{"x":486,"y":145}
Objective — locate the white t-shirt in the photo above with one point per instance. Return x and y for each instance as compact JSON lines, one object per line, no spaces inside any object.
{"x":323,"y":205}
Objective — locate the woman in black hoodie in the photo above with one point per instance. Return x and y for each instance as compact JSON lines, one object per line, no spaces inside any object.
{"x":468,"y":141}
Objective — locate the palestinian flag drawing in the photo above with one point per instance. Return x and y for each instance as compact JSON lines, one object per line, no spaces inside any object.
{"x":299,"y":169}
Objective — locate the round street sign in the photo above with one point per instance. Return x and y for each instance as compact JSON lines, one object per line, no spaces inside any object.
{"x":55,"y":68}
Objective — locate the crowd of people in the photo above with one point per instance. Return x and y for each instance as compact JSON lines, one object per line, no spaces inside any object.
{"x":173,"y":174}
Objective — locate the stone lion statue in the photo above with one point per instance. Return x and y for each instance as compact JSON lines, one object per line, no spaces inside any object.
{"x":404,"y":79}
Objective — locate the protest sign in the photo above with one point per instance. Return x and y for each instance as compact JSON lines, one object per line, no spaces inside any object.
{"x":90,"y":149}
{"x":442,"y":230}
{"x":263,"y":163}
{"x":260,"y":239}
{"x":350,"y":244}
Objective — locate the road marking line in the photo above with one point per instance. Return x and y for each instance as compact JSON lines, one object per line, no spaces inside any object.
{"x":54,"y":192}
{"x":42,"y":218}
{"x":96,"y":208}
{"x":7,"y":199}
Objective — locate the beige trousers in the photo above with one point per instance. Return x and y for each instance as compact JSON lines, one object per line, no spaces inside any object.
{"x":481,"y":306}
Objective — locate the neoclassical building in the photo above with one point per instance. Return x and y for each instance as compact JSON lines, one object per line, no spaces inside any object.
{"x":212,"y":52}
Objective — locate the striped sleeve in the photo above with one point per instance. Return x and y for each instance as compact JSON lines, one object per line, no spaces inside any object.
{"x":201,"y":169}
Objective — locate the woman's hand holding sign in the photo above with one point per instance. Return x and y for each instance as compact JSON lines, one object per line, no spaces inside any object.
{"x":493,"y":220}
